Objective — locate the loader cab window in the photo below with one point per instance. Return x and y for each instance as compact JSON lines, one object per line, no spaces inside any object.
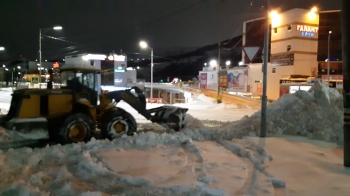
{"x":65,"y":76}
{"x":88,"y":80}
{"x":85,"y":78}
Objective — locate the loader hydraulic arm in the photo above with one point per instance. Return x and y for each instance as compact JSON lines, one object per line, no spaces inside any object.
{"x":170,"y":117}
{"x":135,"y":99}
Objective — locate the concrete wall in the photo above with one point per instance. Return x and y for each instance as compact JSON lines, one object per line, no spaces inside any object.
{"x":81,"y":62}
{"x":273,"y":88}
{"x":131,"y":76}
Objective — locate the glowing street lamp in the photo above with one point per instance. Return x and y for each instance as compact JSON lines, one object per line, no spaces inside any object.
{"x":2,"y":48}
{"x":144,"y":45}
{"x":275,"y":18}
{"x":213,"y":63}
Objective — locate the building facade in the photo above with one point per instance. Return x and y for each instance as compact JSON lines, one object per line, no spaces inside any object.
{"x":299,"y":43}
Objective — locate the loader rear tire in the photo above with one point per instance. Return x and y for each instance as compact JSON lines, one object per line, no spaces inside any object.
{"x":77,"y":127}
{"x":116,"y":123}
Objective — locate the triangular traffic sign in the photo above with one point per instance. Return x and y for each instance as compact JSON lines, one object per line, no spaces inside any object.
{"x":251,"y":51}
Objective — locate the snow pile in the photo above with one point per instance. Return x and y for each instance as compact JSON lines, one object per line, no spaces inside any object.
{"x":316,"y":114}
{"x":74,"y":169}
{"x":3,"y":111}
{"x":91,"y":168}
{"x":203,"y":101}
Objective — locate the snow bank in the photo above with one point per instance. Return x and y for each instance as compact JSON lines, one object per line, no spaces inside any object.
{"x":316,"y":114}
{"x":75,"y":168}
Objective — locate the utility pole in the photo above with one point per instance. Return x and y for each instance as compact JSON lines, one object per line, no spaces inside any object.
{"x":345,"y":14}
{"x":218,"y":98}
{"x":264,"y":70}
{"x":328,"y":56}
{"x":13,"y":69}
{"x":40,"y":58}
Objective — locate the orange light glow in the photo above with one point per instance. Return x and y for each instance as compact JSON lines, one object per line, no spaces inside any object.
{"x":56,"y":65}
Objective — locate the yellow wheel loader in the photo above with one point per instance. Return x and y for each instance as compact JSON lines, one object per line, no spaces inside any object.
{"x":73,"y":112}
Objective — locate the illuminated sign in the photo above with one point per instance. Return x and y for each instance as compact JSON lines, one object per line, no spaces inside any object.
{"x":118,"y":80}
{"x":94,"y":57}
{"x":56,"y":65}
{"x":116,"y":57}
{"x":307,"y":34}
{"x":308,"y":31}
{"x":223,"y":79}
{"x":35,"y":80}
{"x":119,"y":69}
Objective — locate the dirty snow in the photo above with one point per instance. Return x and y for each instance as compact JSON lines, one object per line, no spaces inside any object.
{"x":302,"y":155}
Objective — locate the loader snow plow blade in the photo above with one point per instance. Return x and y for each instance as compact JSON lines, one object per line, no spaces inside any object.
{"x":170,"y":117}
{"x":17,"y":133}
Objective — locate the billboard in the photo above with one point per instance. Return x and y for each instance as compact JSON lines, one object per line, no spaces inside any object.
{"x":237,"y":79}
{"x":223,"y":79}
{"x":203,"y":80}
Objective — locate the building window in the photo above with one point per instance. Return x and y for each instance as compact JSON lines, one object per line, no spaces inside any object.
{"x":289,"y":27}
{"x":273,"y":70}
{"x":275,"y":30}
{"x":289,"y":47}
{"x":92,"y":62}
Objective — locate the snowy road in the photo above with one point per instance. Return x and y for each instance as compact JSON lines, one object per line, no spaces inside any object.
{"x":5,"y":100}
{"x":300,"y":157}
{"x":232,"y":112}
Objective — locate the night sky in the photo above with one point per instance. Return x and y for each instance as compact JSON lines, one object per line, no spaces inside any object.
{"x":104,"y":26}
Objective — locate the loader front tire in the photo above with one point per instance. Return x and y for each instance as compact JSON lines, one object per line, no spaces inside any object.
{"x":77,"y":127}
{"x":116,"y":123}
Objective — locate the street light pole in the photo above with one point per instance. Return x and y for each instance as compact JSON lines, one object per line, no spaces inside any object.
{"x":40,"y":58}
{"x":40,"y":54}
{"x":152,"y":74}
{"x":218,"y":98}
{"x":144,"y":45}
{"x":328,"y":56}
{"x":12,"y":77}
{"x":264,"y":70}
{"x":3,"y":74}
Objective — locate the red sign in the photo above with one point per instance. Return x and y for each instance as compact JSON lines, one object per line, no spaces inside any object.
{"x":154,"y":100}
{"x":56,"y":65}
{"x":223,"y":80}
{"x":332,"y":77}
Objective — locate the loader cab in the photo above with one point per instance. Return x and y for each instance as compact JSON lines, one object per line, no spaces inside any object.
{"x":83,"y":82}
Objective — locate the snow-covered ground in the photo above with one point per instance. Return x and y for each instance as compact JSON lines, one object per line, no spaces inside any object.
{"x":302,"y":154}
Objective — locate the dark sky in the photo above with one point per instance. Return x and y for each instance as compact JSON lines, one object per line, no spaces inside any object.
{"x":104,"y":26}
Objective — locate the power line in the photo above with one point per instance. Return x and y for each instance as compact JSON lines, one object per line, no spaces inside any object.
{"x":172,"y":14}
